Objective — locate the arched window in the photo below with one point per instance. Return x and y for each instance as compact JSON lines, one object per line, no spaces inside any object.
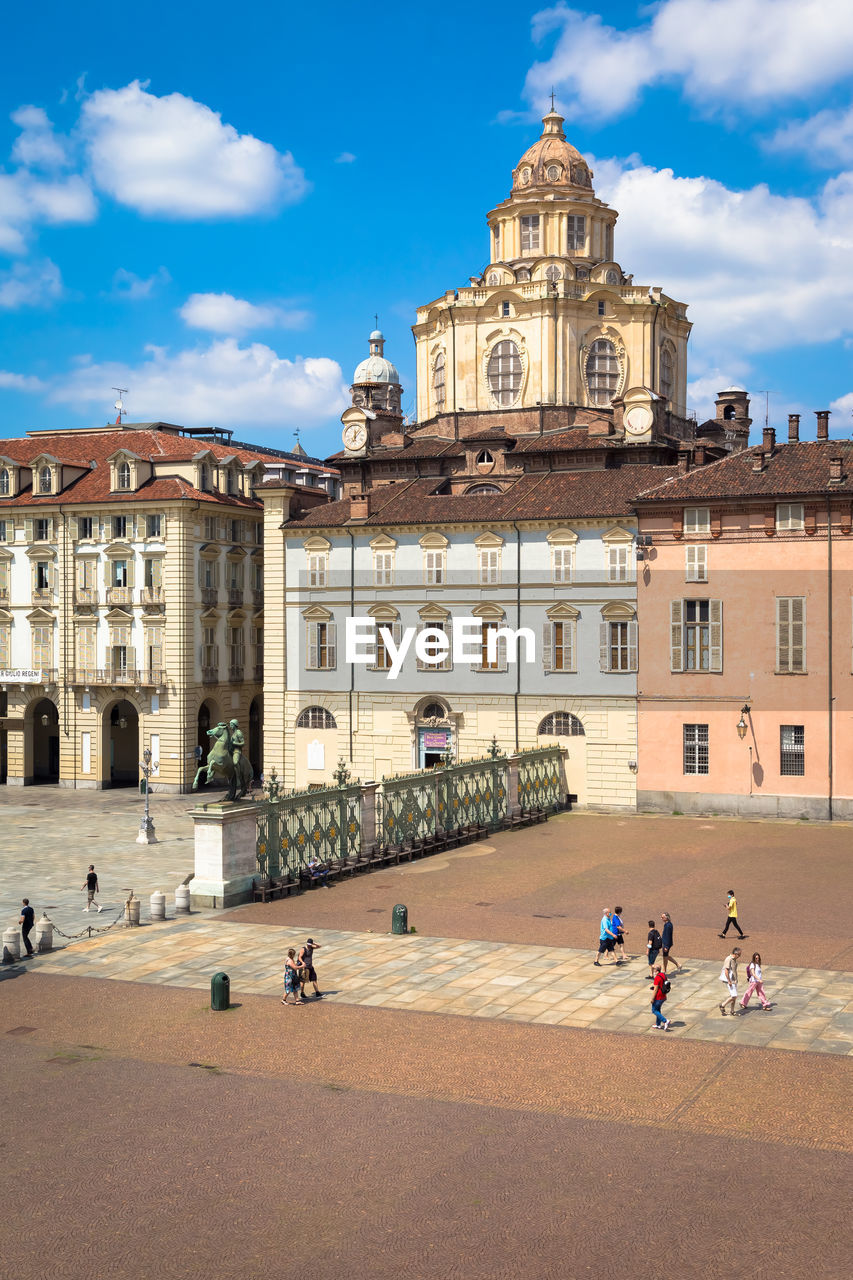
{"x":476,"y":489}
{"x":494,"y":278}
{"x":433,"y":711}
{"x":553,"y":171}
{"x":522,"y":274}
{"x":124,"y":475}
{"x":438,"y":379}
{"x":553,"y":274}
{"x":611,"y":278}
{"x":561,"y":724}
{"x":316,"y":718}
{"x":504,"y":372}
{"x":602,"y":371}
{"x":729,"y":412}
{"x":485,"y":459}
{"x":666,"y":373}
{"x":4,"y":481}
{"x":45,"y":480}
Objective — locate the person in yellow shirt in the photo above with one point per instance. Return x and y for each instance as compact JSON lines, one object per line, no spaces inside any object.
{"x":731,"y":915}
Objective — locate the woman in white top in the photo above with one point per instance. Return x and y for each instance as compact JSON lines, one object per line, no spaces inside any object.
{"x":756,"y":986}
{"x":729,"y":977}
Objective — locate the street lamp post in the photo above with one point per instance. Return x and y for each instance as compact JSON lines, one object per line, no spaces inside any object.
{"x":146,"y":823}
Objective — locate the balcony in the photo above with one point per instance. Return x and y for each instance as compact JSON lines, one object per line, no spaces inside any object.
{"x":259,"y":672}
{"x":119,"y":676}
{"x":210,"y":675}
{"x":235,"y":596}
{"x":258,"y":597}
{"x":210,"y":595}
{"x":4,"y":595}
{"x":85,"y":596}
{"x":42,"y":595}
{"x":119,"y":595}
{"x":152,"y":599}
{"x":236,"y":673}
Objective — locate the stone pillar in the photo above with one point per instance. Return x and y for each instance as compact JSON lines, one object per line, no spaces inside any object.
{"x":369,"y":834}
{"x":512,"y":800}
{"x":226,"y":838}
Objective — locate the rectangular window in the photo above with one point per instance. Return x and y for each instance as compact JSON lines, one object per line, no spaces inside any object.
{"x":558,"y":646}
{"x":321,"y":646}
{"x":236,"y":651}
{"x":489,"y":628}
{"x":696,"y":635}
{"x":4,"y":584}
{"x":211,"y":528}
{"x":442,"y":625}
{"x":153,"y":574}
{"x":530,"y":233}
{"x":489,"y":564}
{"x":86,"y":649}
{"x":576,"y":233}
{"x":562,"y":563}
{"x":2,"y":530}
{"x":154,"y":651}
{"x":792,"y":750}
{"x":695,"y":748}
{"x":209,"y":654}
{"x":257,"y":637}
{"x":85,"y":527}
{"x":42,"y":638}
{"x":697,"y":520}
{"x":42,"y":575}
{"x":236,"y":530}
{"x":789,"y":515}
{"x":5,"y":645}
{"x":383,"y":568}
{"x":120,"y":573}
{"x":618,"y":645}
{"x":620,"y":565}
{"x":382,"y":660}
{"x":317,"y":569}
{"x":696,"y":563}
{"x":119,"y":526}
{"x":259,"y":534}
{"x":790,"y":633}
{"x":434,"y":566}
{"x":154,"y":526}
{"x":43,"y":530}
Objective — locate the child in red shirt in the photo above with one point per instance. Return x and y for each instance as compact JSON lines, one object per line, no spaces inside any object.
{"x":658,"y":999}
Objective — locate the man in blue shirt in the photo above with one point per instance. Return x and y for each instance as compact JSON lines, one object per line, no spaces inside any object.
{"x":27,"y":920}
{"x":606,"y":936}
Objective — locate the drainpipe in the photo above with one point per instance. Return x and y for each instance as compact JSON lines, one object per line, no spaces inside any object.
{"x":829,"y":697}
{"x":555,"y":344}
{"x":517,"y":624}
{"x":352,"y":615}
{"x":652,"y":361}
{"x":62,"y":682}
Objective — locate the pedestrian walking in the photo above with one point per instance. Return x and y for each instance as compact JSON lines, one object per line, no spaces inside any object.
{"x":729,"y":977}
{"x":92,"y":887}
{"x":606,"y":936}
{"x":755,"y":983}
{"x":731,"y":915}
{"x":291,"y":979}
{"x":660,"y":990}
{"x":666,"y":941}
{"x":305,"y":961}
{"x":653,"y":945}
{"x":620,"y":931}
{"x":27,"y":920}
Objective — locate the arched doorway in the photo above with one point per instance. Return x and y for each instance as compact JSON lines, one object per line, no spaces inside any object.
{"x":208,"y":718}
{"x":256,"y":734}
{"x":121,"y":744}
{"x":45,"y":742}
{"x":434,"y":734}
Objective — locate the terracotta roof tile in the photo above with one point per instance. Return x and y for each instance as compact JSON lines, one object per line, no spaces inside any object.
{"x":797,"y":468}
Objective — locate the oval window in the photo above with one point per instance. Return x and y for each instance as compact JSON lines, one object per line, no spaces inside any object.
{"x":525,"y":176}
{"x":553,"y":172}
{"x":503,"y":372}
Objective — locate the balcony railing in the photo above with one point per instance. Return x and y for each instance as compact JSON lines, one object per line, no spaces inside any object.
{"x":86,"y":595}
{"x":152,"y":598}
{"x":42,"y":595}
{"x":258,"y":596}
{"x":134,"y":676}
{"x":4,"y":595}
{"x":210,"y":595}
{"x":235,"y":595}
{"x":236,"y":672}
{"x":119,"y":595}
{"x":209,"y":675}
{"x":259,"y":671}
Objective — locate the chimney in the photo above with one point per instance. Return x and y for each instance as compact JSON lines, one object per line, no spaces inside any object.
{"x":769,"y":442}
{"x":683,"y":462}
{"x":359,"y":506}
{"x":822,"y":416}
{"x":835,"y":476}
{"x":758,"y":460}
{"x":699,"y":455}
{"x":793,"y":427}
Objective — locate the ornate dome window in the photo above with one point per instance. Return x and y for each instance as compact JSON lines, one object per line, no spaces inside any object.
{"x":433,"y":711}
{"x":553,"y":274}
{"x":582,"y":273}
{"x":611,"y":278}
{"x":45,"y":480}
{"x":525,"y":176}
{"x":438,"y":379}
{"x":602,"y":372}
{"x":522,"y":274}
{"x":316,"y":718}
{"x":553,"y":172}
{"x":666,"y":379}
{"x":494,"y":278}
{"x":485,"y":461}
{"x":561,"y":724}
{"x":503,"y":372}
{"x":4,"y":481}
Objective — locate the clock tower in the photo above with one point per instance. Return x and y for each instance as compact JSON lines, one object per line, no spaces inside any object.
{"x":374,"y":417}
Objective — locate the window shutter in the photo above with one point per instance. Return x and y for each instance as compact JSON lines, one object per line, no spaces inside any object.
{"x":569,"y":635}
{"x":397,"y":633}
{"x":332,"y":643}
{"x":131,"y":657}
{"x":29,"y":527}
{"x":632,"y":646}
{"x":313,"y":662}
{"x":548,"y":646}
{"x":715,"y":611}
{"x":798,"y":634}
{"x":201,"y":573}
{"x":676,"y":636}
{"x":422,"y":626}
{"x":603,"y":647}
{"x":783,"y":651}
{"x":501,"y":651}
{"x":130,"y":572}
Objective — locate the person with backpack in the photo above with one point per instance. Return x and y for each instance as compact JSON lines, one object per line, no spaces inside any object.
{"x":661,"y":990}
{"x":756,"y":984}
{"x":653,"y":946}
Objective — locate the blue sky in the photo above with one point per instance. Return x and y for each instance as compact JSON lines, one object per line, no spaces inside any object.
{"x":207,"y":205}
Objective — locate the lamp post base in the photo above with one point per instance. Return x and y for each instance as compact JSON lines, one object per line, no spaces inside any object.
{"x":146,"y":832}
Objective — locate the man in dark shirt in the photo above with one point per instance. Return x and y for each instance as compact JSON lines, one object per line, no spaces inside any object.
{"x":305,"y":961}
{"x":666,"y":942}
{"x":92,"y":887}
{"x":653,"y":946}
{"x":27,"y":920}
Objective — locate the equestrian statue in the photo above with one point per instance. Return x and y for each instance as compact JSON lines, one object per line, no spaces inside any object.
{"x":226,"y":759}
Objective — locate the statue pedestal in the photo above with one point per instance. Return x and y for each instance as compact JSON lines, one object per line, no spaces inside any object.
{"x":226,"y":839}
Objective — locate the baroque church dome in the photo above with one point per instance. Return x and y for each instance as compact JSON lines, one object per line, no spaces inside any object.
{"x":551,"y":161}
{"x":376,"y":368}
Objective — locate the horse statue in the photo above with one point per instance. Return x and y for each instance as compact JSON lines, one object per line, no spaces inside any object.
{"x":226,"y":759}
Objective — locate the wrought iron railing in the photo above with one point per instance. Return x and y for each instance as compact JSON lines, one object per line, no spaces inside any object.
{"x":540,"y":778}
{"x":415,"y":805}
{"x":296,"y":828}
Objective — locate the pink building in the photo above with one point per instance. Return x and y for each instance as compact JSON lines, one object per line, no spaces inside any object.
{"x":745,"y":609}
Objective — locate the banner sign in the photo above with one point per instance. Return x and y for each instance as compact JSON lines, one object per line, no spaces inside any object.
{"x":435,"y":740}
{"x":21,"y":676}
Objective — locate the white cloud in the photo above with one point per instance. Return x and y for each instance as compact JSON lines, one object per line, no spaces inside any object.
{"x":759,"y":271}
{"x":223,"y":313}
{"x":843,"y":409}
{"x":131,"y":287}
{"x":722,"y":52}
{"x":27,"y":201}
{"x":221,"y":384}
{"x":37,"y":146}
{"x":826,"y":138}
{"x":32,"y":284}
{"x":20,"y":382}
{"x":174,"y":157}
{"x":346,"y":157}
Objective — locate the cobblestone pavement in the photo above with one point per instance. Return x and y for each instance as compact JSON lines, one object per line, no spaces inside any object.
{"x":49,"y":837}
{"x":148,"y":1135}
{"x":812,"y":1008}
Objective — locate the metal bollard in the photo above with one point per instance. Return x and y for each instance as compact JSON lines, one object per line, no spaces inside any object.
{"x":400,"y":919}
{"x":220,"y":991}
{"x":11,"y":944}
{"x":158,"y":905}
{"x":44,"y":935}
{"x":182,"y":898}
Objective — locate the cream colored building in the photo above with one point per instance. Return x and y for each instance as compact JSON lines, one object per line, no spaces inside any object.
{"x":131,"y":599}
{"x":553,"y":319}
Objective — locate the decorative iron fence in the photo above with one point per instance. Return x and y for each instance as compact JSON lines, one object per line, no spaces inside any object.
{"x":294,"y":829}
{"x":540,"y":778}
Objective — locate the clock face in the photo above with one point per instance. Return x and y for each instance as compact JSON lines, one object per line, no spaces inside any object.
{"x":355,"y":435}
{"x":638,"y":420}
